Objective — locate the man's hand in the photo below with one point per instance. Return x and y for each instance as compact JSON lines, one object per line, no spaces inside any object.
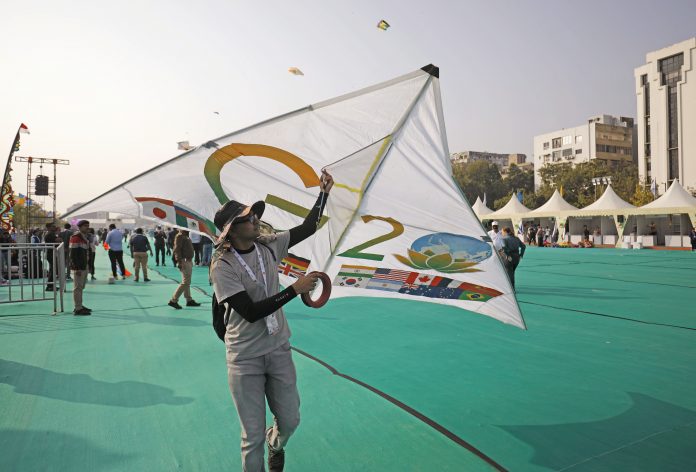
{"x":305,"y":284}
{"x":327,"y":182}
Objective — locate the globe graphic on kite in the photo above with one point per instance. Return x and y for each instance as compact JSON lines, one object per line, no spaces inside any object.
{"x":446,"y":252}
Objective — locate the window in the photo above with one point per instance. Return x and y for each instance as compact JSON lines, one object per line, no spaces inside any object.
{"x":547,"y":157}
{"x":578,"y":139}
{"x":567,"y":140}
{"x":546,"y":145}
{"x":578,"y":151}
{"x":567,"y":152}
{"x":556,"y":156}
{"x":556,"y":142}
{"x":670,"y":74}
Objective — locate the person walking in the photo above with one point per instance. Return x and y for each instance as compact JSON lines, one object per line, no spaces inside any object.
{"x":259,"y":361}
{"x":183,"y":254}
{"x":692,"y":237}
{"x":79,"y":259}
{"x":160,"y":243}
{"x":513,"y":249}
{"x":171,"y":235}
{"x":65,"y":236}
{"x":540,"y":236}
{"x":115,"y":242}
{"x":140,"y":246}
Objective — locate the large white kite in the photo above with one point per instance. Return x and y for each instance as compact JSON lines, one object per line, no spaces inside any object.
{"x":396,"y":224}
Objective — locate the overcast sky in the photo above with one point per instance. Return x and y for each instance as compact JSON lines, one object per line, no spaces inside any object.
{"x":112,"y":86}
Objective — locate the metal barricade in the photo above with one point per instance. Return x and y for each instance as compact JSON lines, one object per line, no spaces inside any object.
{"x":32,"y":272}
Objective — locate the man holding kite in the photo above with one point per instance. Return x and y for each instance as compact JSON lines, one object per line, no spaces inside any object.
{"x":259,"y":363}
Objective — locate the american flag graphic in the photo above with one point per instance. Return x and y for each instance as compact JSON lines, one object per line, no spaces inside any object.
{"x":395,"y":275}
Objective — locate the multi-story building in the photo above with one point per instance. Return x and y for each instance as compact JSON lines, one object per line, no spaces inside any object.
{"x":603,"y":137}
{"x":666,"y":99}
{"x":503,"y":161}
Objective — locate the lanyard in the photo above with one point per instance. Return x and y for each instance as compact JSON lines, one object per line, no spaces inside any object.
{"x":243,"y":263}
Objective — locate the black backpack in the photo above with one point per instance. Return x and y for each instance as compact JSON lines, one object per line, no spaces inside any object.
{"x":221,"y":312}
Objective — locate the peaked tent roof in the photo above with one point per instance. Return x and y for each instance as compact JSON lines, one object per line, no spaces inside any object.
{"x":366,"y":139}
{"x":608,"y":204}
{"x":554,"y":206}
{"x":675,"y":199}
{"x":512,"y":209}
{"x":479,"y":208}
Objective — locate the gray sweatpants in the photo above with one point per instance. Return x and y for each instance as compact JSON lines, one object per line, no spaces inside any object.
{"x":269,"y":377}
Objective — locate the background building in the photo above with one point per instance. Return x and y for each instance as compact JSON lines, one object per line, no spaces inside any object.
{"x":666,"y":99}
{"x":503,"y":161}
{"x":604,"y":137}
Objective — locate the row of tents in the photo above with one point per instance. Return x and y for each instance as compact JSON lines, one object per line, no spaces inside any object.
{"x":611,"y":220}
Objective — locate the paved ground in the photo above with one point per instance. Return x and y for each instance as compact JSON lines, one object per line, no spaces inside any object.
{"x":603,"y":380}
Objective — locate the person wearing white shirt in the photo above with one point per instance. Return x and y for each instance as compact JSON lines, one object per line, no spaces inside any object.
{"x":496,"y":236}
{"x":197,"y":247}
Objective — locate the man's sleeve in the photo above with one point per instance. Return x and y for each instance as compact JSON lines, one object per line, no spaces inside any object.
{"x":226,"y":282}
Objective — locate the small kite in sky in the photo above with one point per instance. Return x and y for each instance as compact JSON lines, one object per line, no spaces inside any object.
{"x":216,"y":112}
{"x":184,"y":146}
{"x":295,"y":71}
{"x":383,"y":25}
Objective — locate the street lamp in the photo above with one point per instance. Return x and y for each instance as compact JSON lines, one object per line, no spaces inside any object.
{"x":597,"y":181}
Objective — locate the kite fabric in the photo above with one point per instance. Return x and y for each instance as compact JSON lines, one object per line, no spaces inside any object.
{"x":383,"y":25}
{"x":295,"y":71}
{"x":396,"y":225}
{"x":184,"y":146}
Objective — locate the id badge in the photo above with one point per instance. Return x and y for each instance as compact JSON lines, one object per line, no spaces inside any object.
{"x":272,"y":324}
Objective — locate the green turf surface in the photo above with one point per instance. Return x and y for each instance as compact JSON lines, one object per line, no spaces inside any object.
{"x":604,"y":379}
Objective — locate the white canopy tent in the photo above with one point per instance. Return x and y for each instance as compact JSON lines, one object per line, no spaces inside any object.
{"x":671,"y":216}
{"x":556,"y":209}
{"x":609,"y":213}
{"x":480,"y":209}
{"x":513,"y":211}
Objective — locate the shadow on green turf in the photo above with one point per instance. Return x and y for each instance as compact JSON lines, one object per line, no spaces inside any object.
{"x":81,"y":388}
{"x":51,"y":450}
{"x":622,"y":439}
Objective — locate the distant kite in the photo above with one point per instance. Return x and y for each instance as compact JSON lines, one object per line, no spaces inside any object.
{"x":295,"y":71}
{"x":184,"y":146}
{"x":383,"y":25}
{"x":216,"y":112}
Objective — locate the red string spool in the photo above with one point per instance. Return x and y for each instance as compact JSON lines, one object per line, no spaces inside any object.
{"x":325,"y":292}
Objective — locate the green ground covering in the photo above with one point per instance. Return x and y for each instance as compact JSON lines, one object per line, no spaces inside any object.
{"x":603,"y":380}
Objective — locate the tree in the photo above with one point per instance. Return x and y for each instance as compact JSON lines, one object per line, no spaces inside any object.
{"x":478,"y":178}
{"x":641,"y":195}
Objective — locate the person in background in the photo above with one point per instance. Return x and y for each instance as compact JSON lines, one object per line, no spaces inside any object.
{"x":115,"y":242}
{"x":496,"y":236}
{"x":692,"y":237}
{"x":207,"y":250}
{"x":540,"y":236}
{"x":140,"y":246}
{"x":79,"y":259}
{"x":171,"y":235}
{"x":65,"y":235}
{"x":92,"y":251}
{"x":196,"y":241}
{"x":160,"y":243}
{"x":513,"y":249}
{"x":183,"y":253}
{"x":585,"y":233}
{"x":50,"y":237}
